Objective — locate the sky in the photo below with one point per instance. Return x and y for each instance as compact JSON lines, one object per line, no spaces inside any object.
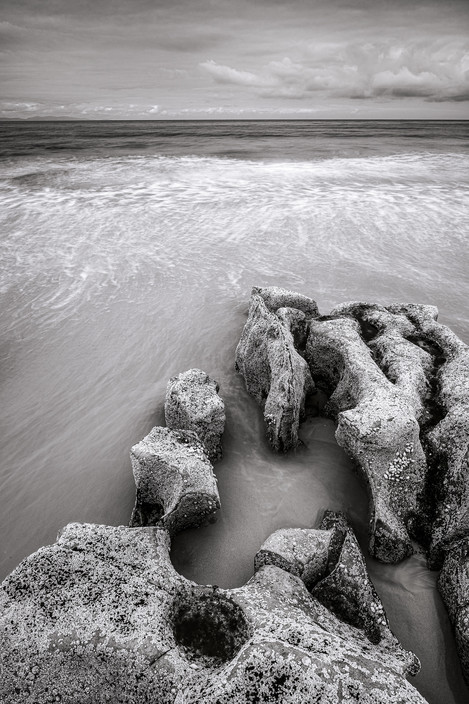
{"x":234,"y":59}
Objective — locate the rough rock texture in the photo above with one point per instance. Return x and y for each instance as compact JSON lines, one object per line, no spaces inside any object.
{"x":453,"y":584}
{"x":102,"y":616}
{"x":275,"y":298}
{"x":192,"y":403}
{"x":429,"y":365}
{"x":446,"y":437}
{"x":330,"y":563}
{"x":176,"y":486}
{"x":276,"y":375}
{"x":376,"y":425}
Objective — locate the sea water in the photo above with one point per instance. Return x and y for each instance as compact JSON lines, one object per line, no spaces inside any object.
{"x":128,"y":252}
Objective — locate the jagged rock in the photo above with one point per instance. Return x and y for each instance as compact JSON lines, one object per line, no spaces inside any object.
{"x":276,"y":375}
{"x":176,"y":486}
{"x":447,"y":438}
{"x":429,"y":364}
{"x":275,"y":298}
{"x":453,"y":584}
{"x":330,"y":563}
{"x":302,"y":551}
{"x":192,"y":403}
{"x":102,"y":616}
{"x":377,"y":426}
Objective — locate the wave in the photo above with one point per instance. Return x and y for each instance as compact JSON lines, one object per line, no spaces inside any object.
{"x":76,"y":226}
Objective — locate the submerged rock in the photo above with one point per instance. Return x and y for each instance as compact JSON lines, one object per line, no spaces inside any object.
{"x":102,"y":616}
{"x":275,"y":374}
{"x":192,"y":403}
{"x":176,"y":486}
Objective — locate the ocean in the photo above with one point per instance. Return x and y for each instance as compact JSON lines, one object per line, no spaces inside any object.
{"x":128,"y":252}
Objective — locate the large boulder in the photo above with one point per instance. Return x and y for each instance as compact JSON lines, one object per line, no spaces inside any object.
{"x":176,"y":486}
{"x":429,"y":366}
{"x":102,"y":616}
{"x":192,"y":403}
{"x":275,"y":374}
{"x":376,"y":425}
{"x":447,"y":437}
{"x":331,"y":565}
{"x":275,"y":297}
{"x":453,"y":584}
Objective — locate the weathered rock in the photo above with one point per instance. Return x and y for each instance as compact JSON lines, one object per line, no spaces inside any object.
{"x":102,"y":616}
{"x":377,"y":426}
{"x":429,"y":365}
{"x":276,"y":375}
{"x":176,"y":486}
{"x":275,"y":298}
{"x":447,"y":437}
{"x":192,"y":403}
{"x":453,"y":584}
{"x":302,"y":551}
{"x":330,"y":563}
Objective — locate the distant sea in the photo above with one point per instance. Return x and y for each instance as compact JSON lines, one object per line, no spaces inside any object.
{"x":128,"y":251}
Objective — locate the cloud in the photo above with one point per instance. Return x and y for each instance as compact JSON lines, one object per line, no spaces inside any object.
{"x":435,"y":71}
{"x":225,"y":74}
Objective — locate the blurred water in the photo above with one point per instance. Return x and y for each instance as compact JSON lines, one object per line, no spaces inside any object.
{"x":128,"y":253}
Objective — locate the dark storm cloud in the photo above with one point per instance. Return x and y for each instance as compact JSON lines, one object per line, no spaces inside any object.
{"x":126,"y":57}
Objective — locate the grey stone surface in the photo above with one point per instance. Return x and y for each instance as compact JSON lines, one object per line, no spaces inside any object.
{"x":175,"y":483}
{"x":453,"y":584}
{"x":275,"y":297}
{"x":376,"y":425}
{"x":275,"y":374}
{"x":330,"y":563}
{"x":192,"y":403}
{"x":102,"y":616}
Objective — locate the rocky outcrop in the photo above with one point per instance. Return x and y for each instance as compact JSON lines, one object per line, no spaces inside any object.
{"x":102,"y":616}
{"x":176,"y":486}
{"x":330,"y":563}
{"x":275,"y":297}
{"x":453,"y":584}
{"x":275,"y":373}
{"x":398,"y":388}
{"x":446,"y":435}
{"x":192,"y":403}
{"x":376,"y":425}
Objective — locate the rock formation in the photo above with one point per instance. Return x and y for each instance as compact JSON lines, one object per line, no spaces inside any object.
{"x":376,"y":425}
{"x":453,"y":584}
{"x":398,"y":388}
{"x":330,"y":563}
{"x":192,"y":403}
{"x":276,"y":375}
{"x":102,"y":616}
{"x":176,"y":486}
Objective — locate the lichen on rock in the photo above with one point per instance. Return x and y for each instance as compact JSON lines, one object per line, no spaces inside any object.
{"x":330,"y":563}
{"x":275,"y":373}
{"x":175,"y":483}
{"x":376,"y":425}
{"x":453,"y":584}
{"x":102,"y":616}
{"x":192,"y":403}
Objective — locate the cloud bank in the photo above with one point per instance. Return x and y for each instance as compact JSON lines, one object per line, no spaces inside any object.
{"x":435,"y":71}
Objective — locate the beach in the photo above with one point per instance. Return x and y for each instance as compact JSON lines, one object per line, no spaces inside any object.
{"x":128,"y":255}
